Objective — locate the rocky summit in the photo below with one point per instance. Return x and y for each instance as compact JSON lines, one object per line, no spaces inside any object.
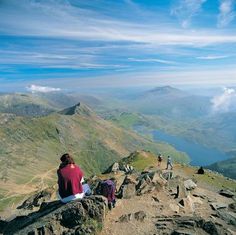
{"x":150,"y":201}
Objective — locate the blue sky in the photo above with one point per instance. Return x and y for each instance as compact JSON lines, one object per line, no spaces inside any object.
{"x":96,"y":44}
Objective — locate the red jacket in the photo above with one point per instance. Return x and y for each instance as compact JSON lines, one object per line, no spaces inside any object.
{"x":69,"y":180}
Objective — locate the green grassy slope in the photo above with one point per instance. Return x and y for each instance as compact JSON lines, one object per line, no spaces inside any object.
{"x":227,"y":167}
{"x":30,"y":148}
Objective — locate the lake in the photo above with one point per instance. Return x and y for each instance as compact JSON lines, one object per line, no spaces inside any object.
{"x":199,"y":154}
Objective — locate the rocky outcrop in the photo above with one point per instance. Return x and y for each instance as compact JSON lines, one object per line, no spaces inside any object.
{"x":37,"y":199}
{"x":187,"y":225}
{"x":77,"y":217}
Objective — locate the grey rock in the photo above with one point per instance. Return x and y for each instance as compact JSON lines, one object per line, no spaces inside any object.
{"x":228,"y":217}
{"x":167,"y":175}
{"x":189,"y":184}
{"x":125,"y":218}
{"x":211,"y":228}
{"x":128,"y":191}
{"x":182,"y":232}
{"x":37,"y":199}
{"x":232,"y":207}
{"x":226,"y":193}
{"x":140,"y":215}
{"x":58,"y":218}
{"x":181,"y":191}
{"x":187,"y":204}
{"x":115,"y":167}
{"x":217,"y":206}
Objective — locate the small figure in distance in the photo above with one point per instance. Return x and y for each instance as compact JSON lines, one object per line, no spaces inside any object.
{"x":70,"y":179}
{"x":201,"y":171}
{"x":169,"y":163}
{"x":159,"y":158}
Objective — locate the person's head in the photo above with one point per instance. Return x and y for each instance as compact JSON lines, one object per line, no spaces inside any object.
{"x":66,"y":159}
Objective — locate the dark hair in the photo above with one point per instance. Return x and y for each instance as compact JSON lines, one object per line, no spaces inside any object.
{"x":66,"y":159}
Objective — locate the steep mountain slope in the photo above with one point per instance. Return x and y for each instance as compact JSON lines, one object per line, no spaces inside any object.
{"x":227,"y":167}
{"x":25,"y":105}
{"x":41,"y":104}
{"x":30,"y":148}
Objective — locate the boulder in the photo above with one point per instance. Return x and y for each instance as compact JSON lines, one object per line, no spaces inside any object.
{"x":140,"y":216}
{"x":3,"y":224}
{"x":81,"y":216}
{"x":128,"y":191}
{"x":125,"y":218}
{"x":115,"y":167}
{"x":189,"y":184}
{"x":211,"y":228}
{"x":167,"y":175}
{"x":181,"y":191}
{"x":187,"y":204}
{"x":228,"y":217}
{"x":226,"y":193}
{"x":217,"y":206}
{"x":157,"y":179}
{"x":232,"y":207}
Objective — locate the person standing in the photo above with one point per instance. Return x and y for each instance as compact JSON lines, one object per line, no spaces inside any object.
{"x":159,"y":159}
{"x":169,"y":163}
{"x":70,"y":179}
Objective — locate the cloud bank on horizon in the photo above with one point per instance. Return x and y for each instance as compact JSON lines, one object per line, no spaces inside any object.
{"x":43,"y":89}
{"x":75,"y":43}
{"x":223,"y":102}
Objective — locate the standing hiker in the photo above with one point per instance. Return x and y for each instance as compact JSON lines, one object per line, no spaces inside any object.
{"x":169,"y":163}
{"x":70,"y":179}
{"x":159,"y":159}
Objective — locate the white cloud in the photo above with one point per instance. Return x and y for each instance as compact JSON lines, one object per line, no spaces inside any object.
{"x":227,"y":13}
{"x":62,"y":20}
{"x":212,"y":57}
{"x":185,"y":10}
{"x":44,"y":89}
{"x":221,"y":103}
{"x":152,"y":60}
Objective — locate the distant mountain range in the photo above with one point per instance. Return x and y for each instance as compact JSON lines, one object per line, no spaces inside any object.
{"x":227,"y":167}
{"x":170,"y":102}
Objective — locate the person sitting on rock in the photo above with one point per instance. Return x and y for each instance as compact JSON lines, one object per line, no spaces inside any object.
{"x":70,"y":179}
{"x":201,"y":171}
{"x":169,"y":163}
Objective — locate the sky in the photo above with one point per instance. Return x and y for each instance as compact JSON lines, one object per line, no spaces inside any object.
{"x":69,"y":44}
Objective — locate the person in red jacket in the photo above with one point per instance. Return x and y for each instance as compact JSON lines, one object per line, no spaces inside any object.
{"x":70,"y":179}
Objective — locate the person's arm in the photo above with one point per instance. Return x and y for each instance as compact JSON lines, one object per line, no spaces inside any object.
{"x":59,"y":181}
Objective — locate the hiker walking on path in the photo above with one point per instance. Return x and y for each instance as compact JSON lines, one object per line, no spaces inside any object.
{"x":159,"y":159}
{"x":70,"y":179}
{"x":169,"y":163}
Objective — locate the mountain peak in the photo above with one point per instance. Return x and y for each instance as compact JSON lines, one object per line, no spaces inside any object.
{"x":77,"y":109}
{"x":163,"y":90}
